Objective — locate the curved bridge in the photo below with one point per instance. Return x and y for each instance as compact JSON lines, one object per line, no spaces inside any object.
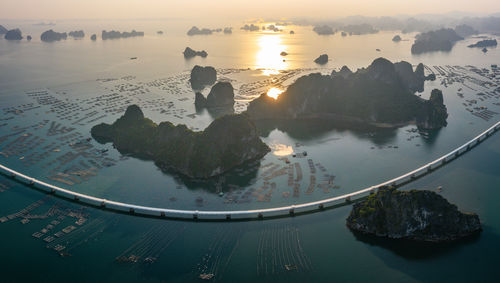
{"x":290,"y":210}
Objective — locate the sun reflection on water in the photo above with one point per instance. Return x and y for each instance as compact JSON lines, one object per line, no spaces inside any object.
{"x":268,"y":56}
{"x":282,"y":149}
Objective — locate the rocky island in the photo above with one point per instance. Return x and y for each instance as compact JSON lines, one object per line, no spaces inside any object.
{"x":93,"y":37}
{"x":202,"y":76}
{"x":322,"y":59}
{"x":190,"y":53}
{"x":439,"y":40}
{"x":227,"y":142}
{"x":50,"y":36}
{"x":250,"y":27}
{"x":411,"y":215}
{"x":13,"y":34}
{"x":323,"y":30}
{"x":484,"y":43}
{"x":221,"y":95}
{"x":77,"y":34}
{"x":396,"y":38}
{"x":359,"y":29}
{"x":228,"y":30}
{"x":116,"y":34}
{"x":381,"y":95}
{"x":196,"y":31}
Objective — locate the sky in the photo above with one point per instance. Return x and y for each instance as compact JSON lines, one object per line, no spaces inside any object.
{"x":142,"y":9}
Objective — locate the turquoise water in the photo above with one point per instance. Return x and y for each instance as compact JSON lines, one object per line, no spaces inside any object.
{"x":314,"y":247}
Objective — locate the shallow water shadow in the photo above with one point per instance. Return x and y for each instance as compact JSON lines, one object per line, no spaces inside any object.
{"x":414,"y":250}
{"x":307,"y":130}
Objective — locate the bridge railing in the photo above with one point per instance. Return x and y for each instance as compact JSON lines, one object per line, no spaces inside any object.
{"x":247,"y":214}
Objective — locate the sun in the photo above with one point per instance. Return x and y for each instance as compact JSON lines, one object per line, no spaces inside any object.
{"x":274,"y":92}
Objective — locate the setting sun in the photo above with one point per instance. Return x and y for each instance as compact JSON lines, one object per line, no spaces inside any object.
{"x":274,"y":92}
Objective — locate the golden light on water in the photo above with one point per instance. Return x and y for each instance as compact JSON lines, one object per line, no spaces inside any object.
{"x":274,"y":92}
{"x":282,"y":149}
{"x":268,"y":57}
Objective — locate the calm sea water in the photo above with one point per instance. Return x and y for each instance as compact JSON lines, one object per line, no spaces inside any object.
{"x":313,"y":247}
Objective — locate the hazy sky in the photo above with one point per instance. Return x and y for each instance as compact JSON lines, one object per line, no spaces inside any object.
{"x":87,"y":9}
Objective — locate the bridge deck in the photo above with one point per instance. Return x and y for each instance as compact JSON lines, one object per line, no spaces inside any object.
{"x":246,"y":214}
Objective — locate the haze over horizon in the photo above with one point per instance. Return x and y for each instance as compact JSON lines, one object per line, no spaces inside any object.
{"x":142,"y":9}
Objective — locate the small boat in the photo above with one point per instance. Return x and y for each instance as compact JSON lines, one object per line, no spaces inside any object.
{"x":133,"y":58}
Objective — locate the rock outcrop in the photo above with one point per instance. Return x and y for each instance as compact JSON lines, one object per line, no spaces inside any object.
{"x":202,"y":76}
{"x":116,"y":34}
{"x":396,"y":38}
{"x":196,"y":31}
{"x":221,"y":95}
{"x":323,"y":30}
{"x":439,"y":40}
{"x":250,"y":27}
{"x":190,"y":53}
{"x":412,"y":215}
{"x":414,"y":80}
{"x":322,"y":59}
{"x":13,"y":34}
{"x":77,"y":34}
{"x":485,"y":43}
{"x":50,"y":36}
{"x":3,"y":30}
{"x":379,"y":95}
{"x":227,"y":142}
{"x":359,"y":29}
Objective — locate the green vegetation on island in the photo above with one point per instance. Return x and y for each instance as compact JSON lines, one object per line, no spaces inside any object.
{"x":227,"y":142}
{"x":380,"y":95}
{"x":412,"y":215}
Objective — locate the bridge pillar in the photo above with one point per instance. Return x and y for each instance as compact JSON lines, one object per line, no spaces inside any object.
{"x":292,"y":211}
{"x":76,"y":198}
{"x":103,"y":204}
{"x":260,"y":216}
{"x":348,"y":199}
{"x":228,"y":216}
{"x":131,"y":210}
{"x":321,"y":206}
{"x":162,"y":214}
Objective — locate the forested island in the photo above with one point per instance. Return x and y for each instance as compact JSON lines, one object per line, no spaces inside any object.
{"x":380,"y":95}
{"x":227,"y":142}
{"x":116,"y":34}
{"x":438,"y":40}
{"x":50,"y":36}
{"x":412,"y":215}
